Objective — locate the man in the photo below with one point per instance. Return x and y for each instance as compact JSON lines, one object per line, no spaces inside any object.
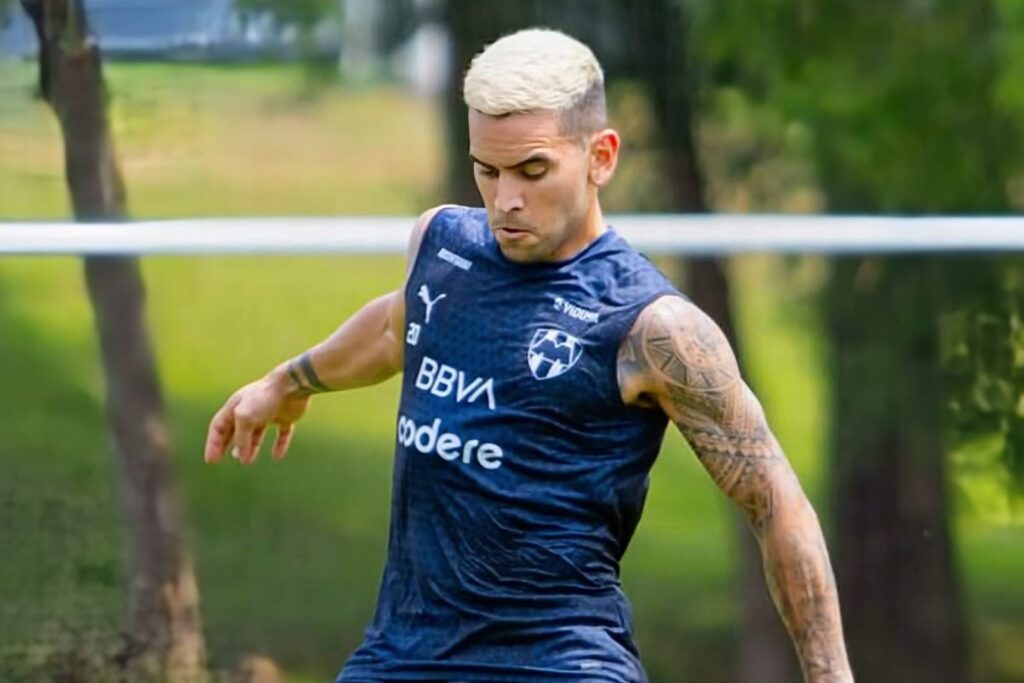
{"x":542,"y":358}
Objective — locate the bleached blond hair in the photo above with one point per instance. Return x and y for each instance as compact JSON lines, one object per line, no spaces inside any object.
{"x":537,"y":70}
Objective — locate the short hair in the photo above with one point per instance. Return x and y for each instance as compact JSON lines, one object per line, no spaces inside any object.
{"x":539,"y":70}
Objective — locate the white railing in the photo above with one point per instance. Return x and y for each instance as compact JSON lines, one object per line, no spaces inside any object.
{"x":652,"y":233}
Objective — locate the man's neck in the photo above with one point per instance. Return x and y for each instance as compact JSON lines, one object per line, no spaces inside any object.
{"x":592,"y":228}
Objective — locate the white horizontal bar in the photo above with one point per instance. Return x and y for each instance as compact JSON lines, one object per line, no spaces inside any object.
{"x":652,"y":233}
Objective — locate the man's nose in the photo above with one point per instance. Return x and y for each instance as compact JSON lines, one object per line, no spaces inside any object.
{"x":509,"y":196}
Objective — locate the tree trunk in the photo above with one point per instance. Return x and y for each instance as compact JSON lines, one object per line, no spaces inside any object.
{"x":895,"y":564}
{"x":165,"y":632}
{"x":658,"y":32}
{"x":894,"y":559}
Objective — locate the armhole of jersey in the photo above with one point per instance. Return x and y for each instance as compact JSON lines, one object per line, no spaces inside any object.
{"x":631,"y":319}
{"x":427,"y":232}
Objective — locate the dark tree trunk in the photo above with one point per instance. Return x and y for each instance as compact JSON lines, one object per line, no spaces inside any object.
{"x":657,"y":32}
{"x":164,"y":622}
{"x":471,"y":27}
{"x":895,"y":564}
{"x":473,"y":24}
{"x":894,"y":559}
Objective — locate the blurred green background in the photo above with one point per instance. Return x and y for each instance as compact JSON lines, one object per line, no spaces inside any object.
{"x":288,"y":554}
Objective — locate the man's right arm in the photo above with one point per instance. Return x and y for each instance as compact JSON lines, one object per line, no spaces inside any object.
{"x":368,"y":348}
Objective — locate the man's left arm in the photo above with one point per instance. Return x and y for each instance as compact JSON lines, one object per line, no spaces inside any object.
{"x":677,"y":357}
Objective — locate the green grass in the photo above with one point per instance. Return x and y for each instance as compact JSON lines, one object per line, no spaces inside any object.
{"x":289,"y":554}
{"x":208,"y":141}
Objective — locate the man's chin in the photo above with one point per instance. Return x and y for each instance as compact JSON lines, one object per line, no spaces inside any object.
{"x":519,"y":254}
{"x":525,"y":249}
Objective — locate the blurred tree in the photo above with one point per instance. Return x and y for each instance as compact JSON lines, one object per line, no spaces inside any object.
{"x":922,"y":135}
{"x":165,"y":640}
{"x":306,"y":18}
{"x":897,"y":579}
{"x":303,"y":15}
{"x":368,"y":29}
{"x":982,"y":346}
{"x":900,"y":99}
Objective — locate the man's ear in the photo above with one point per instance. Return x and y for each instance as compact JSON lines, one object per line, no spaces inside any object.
{"x":604,"y":156}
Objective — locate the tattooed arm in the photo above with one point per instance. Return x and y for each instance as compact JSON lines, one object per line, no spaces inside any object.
{"x":677,"y":358}
{"x":368,"y":348}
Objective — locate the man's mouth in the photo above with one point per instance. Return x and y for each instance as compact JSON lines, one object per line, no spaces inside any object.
{"x":511,"y":231}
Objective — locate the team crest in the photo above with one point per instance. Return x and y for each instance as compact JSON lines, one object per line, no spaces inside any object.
{"x":552,"y":353}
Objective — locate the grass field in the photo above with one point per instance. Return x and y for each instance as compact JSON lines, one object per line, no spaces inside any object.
{"x":288,"y":554}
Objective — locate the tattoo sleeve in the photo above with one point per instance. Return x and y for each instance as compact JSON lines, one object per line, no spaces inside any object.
{"x":689,"y":369}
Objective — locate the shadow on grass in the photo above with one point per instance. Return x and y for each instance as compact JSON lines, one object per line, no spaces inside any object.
{"x":60,"y":549}
{"x":288,"y":553}
{"x":285,"y":565}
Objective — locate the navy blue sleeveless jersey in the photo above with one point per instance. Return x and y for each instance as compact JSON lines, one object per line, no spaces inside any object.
{"x":519,"y":474}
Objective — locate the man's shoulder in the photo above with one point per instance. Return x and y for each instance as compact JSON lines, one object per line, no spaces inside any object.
{"x":452,"y":220}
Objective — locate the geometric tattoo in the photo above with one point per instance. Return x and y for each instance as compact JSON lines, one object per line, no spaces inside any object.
{"x":694,"y":371}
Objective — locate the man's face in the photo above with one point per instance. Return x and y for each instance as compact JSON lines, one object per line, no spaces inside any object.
{"x":535,"y":183}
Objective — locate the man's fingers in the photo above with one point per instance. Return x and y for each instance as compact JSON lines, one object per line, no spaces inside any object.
{"x":244,"y":428}
{"x":283,"y":440}
{"x":222,"y":428}
{"x":241,"y":423}
{"x":255,"y":443}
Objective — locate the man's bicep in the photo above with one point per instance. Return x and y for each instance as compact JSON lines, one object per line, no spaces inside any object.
{"x":693,"y":375}
{"x":689,"y":368}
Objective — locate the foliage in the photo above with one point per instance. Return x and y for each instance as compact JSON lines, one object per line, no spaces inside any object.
{"x":301,"y":14}
{"x":983,"y":351}
{"x":396,"y":22}
{"x":911,"y":108}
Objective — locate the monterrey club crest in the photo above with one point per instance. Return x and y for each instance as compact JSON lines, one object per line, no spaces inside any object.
{"x":552,"y":352}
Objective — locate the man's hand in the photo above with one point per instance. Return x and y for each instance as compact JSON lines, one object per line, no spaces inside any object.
{"x":244,"y":418}
{"x":367,"y":349}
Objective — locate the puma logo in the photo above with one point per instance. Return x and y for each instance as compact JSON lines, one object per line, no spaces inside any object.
{"x":424,"y":295}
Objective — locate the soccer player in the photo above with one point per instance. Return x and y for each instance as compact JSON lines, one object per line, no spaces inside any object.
{"x":542,"y":359}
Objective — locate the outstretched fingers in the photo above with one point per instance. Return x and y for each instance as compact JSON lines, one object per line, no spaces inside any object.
{"x":242,"y":424}
{"x":283,"y":440}
{"x":249,"y":432}
{"x":220,"y":433}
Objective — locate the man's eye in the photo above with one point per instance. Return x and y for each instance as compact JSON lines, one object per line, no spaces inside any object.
{"x":534,"y":171}
{"x":487,"y":172}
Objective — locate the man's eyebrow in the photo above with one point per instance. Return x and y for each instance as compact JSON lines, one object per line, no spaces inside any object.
{"x":539,"y":157}
{"x":487,"y":166}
